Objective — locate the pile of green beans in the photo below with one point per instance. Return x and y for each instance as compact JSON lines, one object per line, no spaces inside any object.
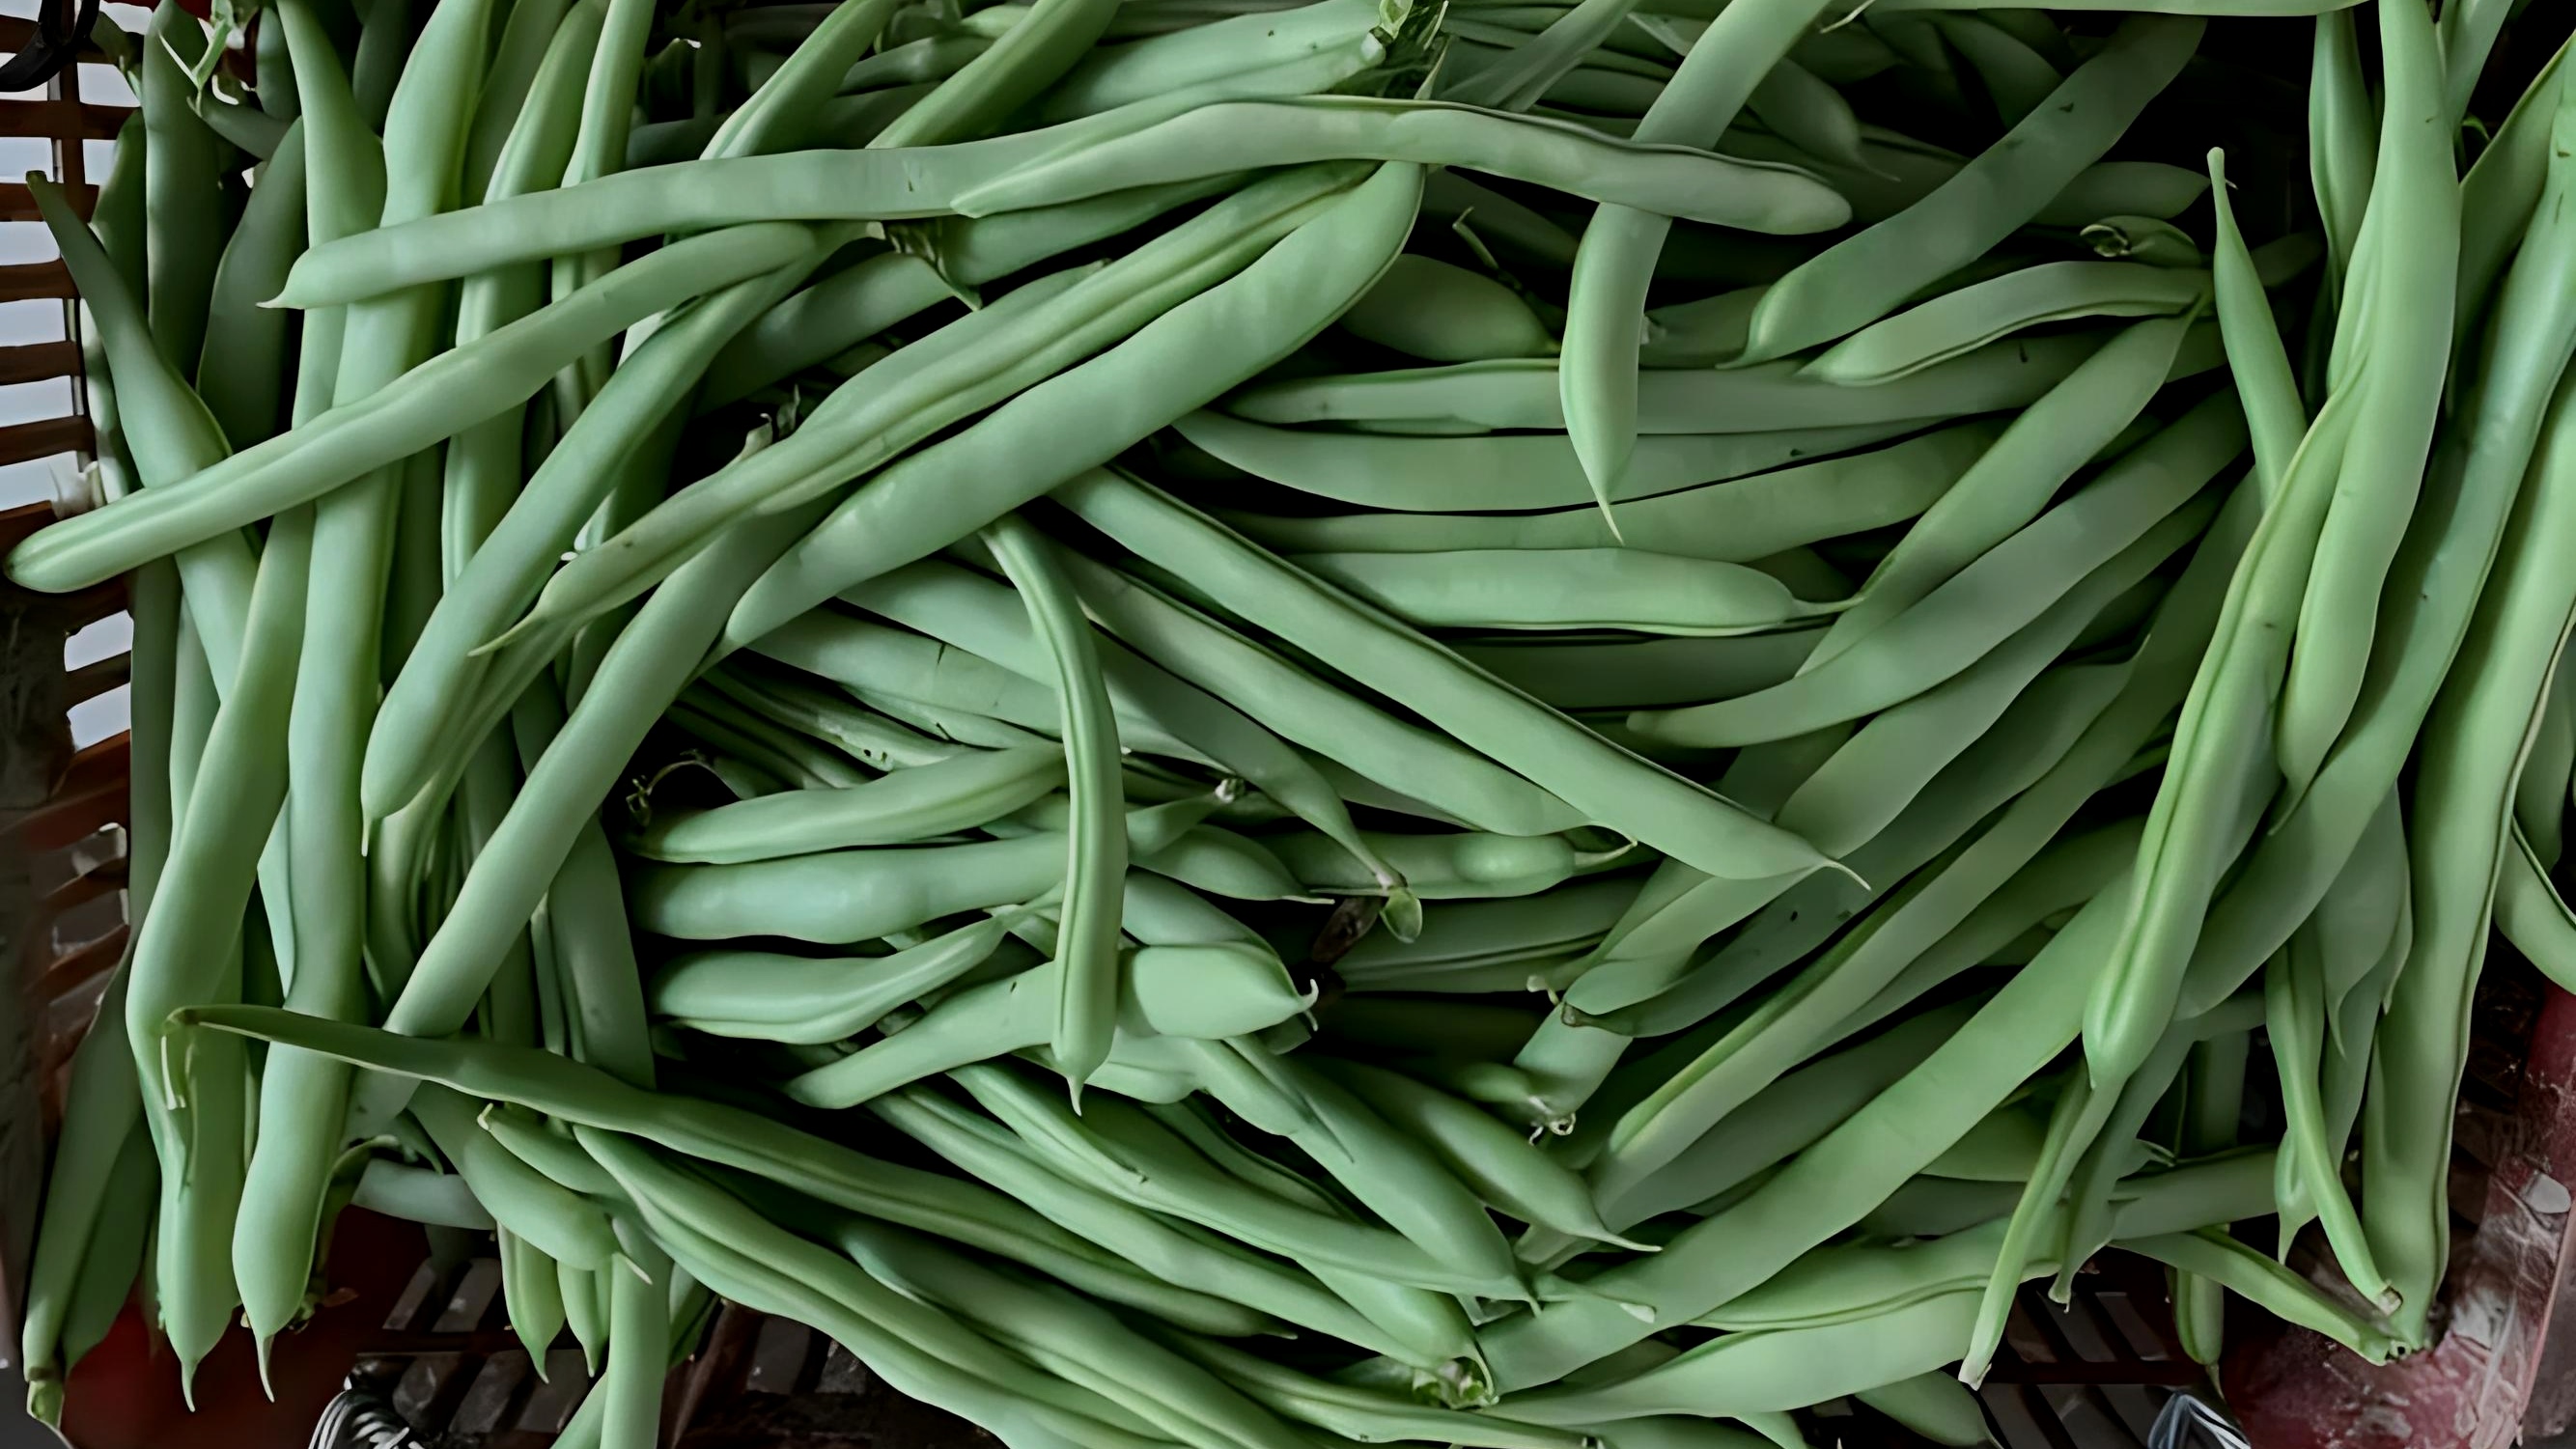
{"x":1249,"y":724}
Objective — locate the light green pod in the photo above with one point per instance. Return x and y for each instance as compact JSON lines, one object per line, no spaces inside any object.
{"x":1962,"y":321}
{"x":1443,"y":313}
{"x":1571,"y":588}
{"x":915,"y":804}
{"x":804,"y":1000}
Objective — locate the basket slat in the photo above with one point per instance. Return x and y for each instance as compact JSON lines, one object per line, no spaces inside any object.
{"x":43,"y":439}
{"x":63,"y":120}
{"x":38,"y":279}
{"x":37,"y":361}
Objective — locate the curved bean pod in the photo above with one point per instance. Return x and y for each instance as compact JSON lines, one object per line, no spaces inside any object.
{"x":802,"y":1000}
{"x":1529,"y":473}
{"x":1859,"y":280}
{"x":935,"y":799}
{"x":1575,"y":588}
{"x":1676,"y":179}
{"x":2417,"y":193}
{"x":1617,"y":789}
{"x":2118,"y":511}
{"x":1962,"y":321}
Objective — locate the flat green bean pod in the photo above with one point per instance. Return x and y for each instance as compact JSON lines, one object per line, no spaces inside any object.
{"x":1827,"y":1187}
{"x":1859,"y":280}
{"x":1674,"y":179}
{"x":1737,"y":522}
{"x":1530,"y":472}
{"x":1788,"y":1368}
{"x":935,"y":799}
{"x":803,"y":1000}
{"x":2120,"y":508}
{"x":1626,"y":674}
{"x":1620,"y":790}
{"x":1971,"y":317}
{"x":1524,"y":394}
{"x":1575,"y":588}
{"x":1433,"y":310}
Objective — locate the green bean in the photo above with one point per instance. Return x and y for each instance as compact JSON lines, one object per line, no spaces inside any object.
{"x":532,"y":1295}
{"x":2541,"y":795}
{"x":1517,"y":80}
{"x":2497,"y":198}
{"x":2212,"y":1254}
{"x":1579,"y":588}
{"x":2126,"y":509}
{"x":2343,"y":137}
{"x":1112,"y":76}
{"x":2462,"y":808}
{"x":238,"y":372}
{"x":586,"y":1314}
{"x":379,"y":427}
{"x":1584,"y":674}
{"x":1617,"y":789}
{"x":233,"y":806}
{"x":798,"y":999}
{"x":2531,"y":913}
{"x":1491,"y":214}
{"x":1961,"y":321}
{"x":743,"y":735}
{"x":873,"y":740}
{"x":1445,"y":867}
{"x":420,"y":1195}
{"x":1565,"y":157}
{"x":863,"y":655}
{"x":2016,"y":78}
{"x":639,"y":1346}
{"x":1783,"y":1119}
{"x":754,"y":1143}
{"x":484,"y":463}
{"x":1089,"y":984}
{"x":1200,"y":991}
{"x":1831,"y":1184}
{"x":2012,"y":481}
{"x":1528,"y":473}
{"x":168,"y":427}
{"x":2383,"y":465}
{"x":1021,"y":64}
{"x":973,"y":612}
{"x":909,"y":805}
{"x":110,"y":1263}
{"x":1859,"y":280}
{"x":1069,"y":1336}
{"x":984,"y":357}
{"x":2471,"y":491}
{"x":2039,"y":733}
{"x":2294,"y":1020}
{"x":102,"y":1117}
{"x":823,"y":898}
{"x":182,"y":188}
{"x":2274,"y":414}
{"x":1500,"y":1164}
{"x":1120,"y":1151}
{"x":537,"y":1209}
{"x":904,"y":1335}
{"x":1500,"y":932}
{"x":527,"y":41}
{"x":1779,"y":1369}
{"x":792,"y":335}
{"x":1524,"y":394}
{"x":1443,"y":313}
{"x":2217,"y":761}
